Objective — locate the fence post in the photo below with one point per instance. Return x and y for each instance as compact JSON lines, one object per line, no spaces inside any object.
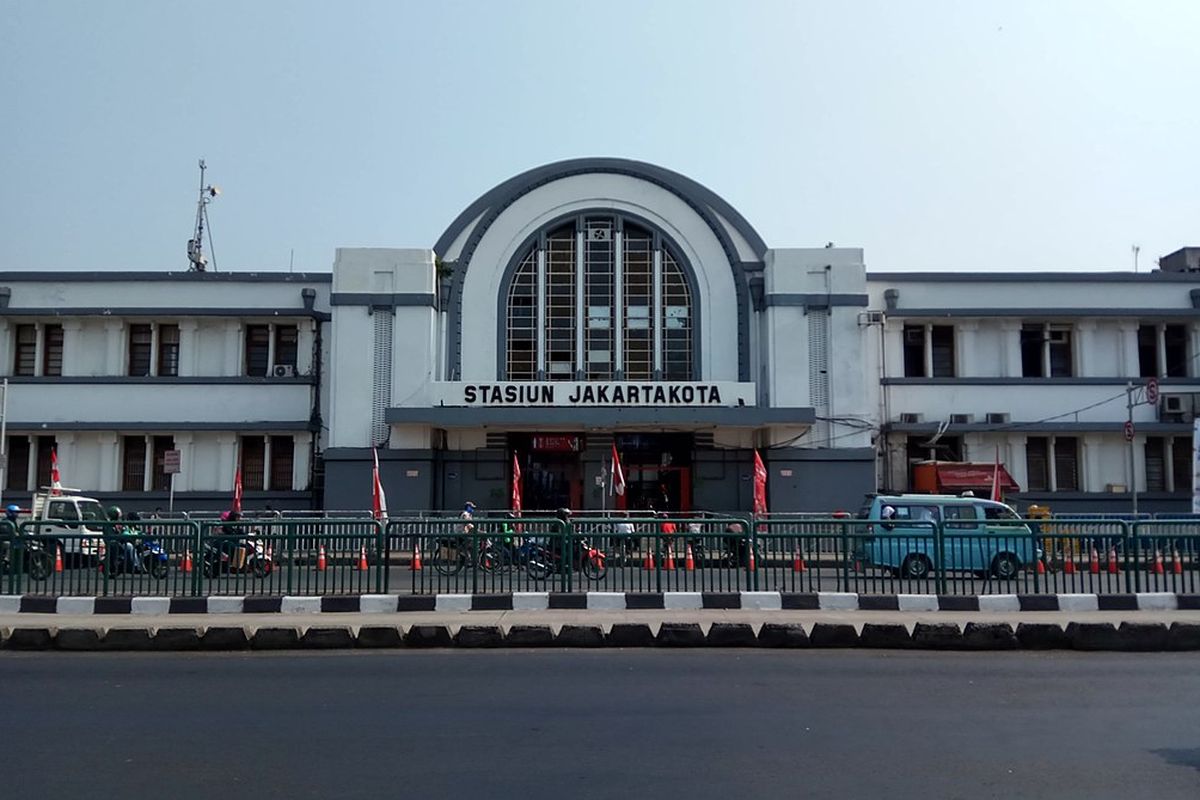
{"x":844,"y":574}
{"x":380,"y":563}
{"x":566,"y":534}
{"x":939,"y":555}
{"x":198,"y":562}
{"x":1128,"y":542}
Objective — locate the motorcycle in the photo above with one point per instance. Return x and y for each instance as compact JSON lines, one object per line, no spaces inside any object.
{"x":544,"y":560}
{"x":149,"y":558}
{"x":216,"y":558}
{"x":37,"y":561}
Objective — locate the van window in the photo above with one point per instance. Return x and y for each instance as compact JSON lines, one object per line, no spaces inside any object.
{"x":61,"y":509}
{"x":963,"y":513}
{"x":999,"y":512}
{"x":916,"y":513}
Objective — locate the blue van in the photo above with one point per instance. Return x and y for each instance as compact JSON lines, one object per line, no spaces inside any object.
{"x":980,"y":536}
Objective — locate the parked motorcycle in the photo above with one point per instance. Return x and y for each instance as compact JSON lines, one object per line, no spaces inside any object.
{"x":149,"y":558}
{"x":37,"y":561}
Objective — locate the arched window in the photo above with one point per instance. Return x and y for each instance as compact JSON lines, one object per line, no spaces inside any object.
{"x":599,"y":298}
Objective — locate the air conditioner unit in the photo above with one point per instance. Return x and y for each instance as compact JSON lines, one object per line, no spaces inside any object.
{"x":999,"y":418}
{"x":870,"y":318}
{"x":962,"y":419}
{"x":1175,"y":403}
{"x":1115,"y":488}
{"x":911,"y":419}
{"x":283,"y":371}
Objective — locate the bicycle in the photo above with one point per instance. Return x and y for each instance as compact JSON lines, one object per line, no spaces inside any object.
{"x":452,"y":555}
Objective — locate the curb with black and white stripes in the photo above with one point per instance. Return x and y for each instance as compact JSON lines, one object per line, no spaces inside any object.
{"x":597,"y":601}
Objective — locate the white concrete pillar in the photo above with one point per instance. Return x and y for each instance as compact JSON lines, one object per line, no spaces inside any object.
{"x":110,"y":461}
{"x":1129,"y":348}
{"x":72,"y":331}
{"x":1085,"y":338}
{"x":1010,"y":338}
{"x":185,"y":444}
{"x":189,"y":351}
{"x":226,"y":460}
{"x":114,"y":347}
{"x":7,"y":334}
{"x":234,"y":347}
{"x":300,"y":464}
{"x":965,"y":360}
{"x":304,"y":346}
{"x":893,"y":346}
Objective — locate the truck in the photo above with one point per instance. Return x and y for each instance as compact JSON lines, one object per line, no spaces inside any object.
{"x":66,"y":514}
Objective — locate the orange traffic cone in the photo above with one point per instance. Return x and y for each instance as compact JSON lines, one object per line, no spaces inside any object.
{"x":1176,"y":564}
{"x":689,"y":563}
{"x":1158,"y":563}
{"x":321,"y":565}
{"x":416,"y":559}
{"x":58,"y":562}
{"x":669,"y":562}
{"x":187,"y":560}
{"x":751,"y":566}
{"x":648,"y":562}
{"x":1041,"y":566}
{"x":798,"y":564}
{"x":362,"y":559}
{"x":1113,"y":566}
{"x":1069,"y":564}
{"x":1094,"y":564}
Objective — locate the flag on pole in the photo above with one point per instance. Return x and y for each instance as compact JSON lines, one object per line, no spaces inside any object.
{"x":516,"y":485}
{"x":996,"y":477}
{"x":760,"y":485}
{"x":55,"y":479}
{"x":378,"y":498}
{"x":237,"y":491}
{"x":617,"y":484}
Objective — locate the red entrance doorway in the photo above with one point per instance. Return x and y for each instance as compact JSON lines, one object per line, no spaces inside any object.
{"x":658,"y":488}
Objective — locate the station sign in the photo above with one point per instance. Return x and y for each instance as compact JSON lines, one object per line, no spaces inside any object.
{"x":594,"y":393}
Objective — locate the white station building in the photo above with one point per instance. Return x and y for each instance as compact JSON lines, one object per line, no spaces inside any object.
{"x":587,"y":304}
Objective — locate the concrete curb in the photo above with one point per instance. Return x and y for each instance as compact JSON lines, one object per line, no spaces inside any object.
{"x":598,"y":601}
{"x":1082,"y":636}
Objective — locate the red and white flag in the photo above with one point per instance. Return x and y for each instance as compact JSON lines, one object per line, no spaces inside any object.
{"x":55,"y":479}
{"x":378,"y":498}
{"x":516,"y":485}
{"x":617,"y":484}
{"x":760,"y":485}
{"x":237,"y":491}
{"x":996,"y":477}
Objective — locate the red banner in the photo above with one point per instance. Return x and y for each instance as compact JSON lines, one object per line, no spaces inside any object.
{"x":556,"y":444}
{"x":760,"y":485}
{"x":516,"y":485}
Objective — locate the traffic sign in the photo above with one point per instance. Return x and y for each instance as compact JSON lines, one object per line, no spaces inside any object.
{"x":1152,"y":391}
{"x":1129,"y":430}
{"x":171,"y":462}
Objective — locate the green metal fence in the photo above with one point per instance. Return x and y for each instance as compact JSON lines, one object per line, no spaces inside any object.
{"x":613,"y":552}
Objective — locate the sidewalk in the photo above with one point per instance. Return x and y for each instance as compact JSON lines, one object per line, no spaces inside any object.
{"x":1080,"y":630}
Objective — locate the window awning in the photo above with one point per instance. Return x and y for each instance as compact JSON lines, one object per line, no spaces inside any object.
{"x":959,"y":477}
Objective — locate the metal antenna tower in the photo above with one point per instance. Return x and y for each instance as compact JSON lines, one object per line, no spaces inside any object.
{"x":197,"y":261}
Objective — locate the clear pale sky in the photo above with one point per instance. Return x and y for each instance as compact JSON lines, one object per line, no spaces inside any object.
{"x":1048,"y":134}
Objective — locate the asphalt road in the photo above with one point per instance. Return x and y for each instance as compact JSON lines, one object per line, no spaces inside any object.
{"x":618,"y":724}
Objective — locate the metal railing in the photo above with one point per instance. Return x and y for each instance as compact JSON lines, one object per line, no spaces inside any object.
{"x":279,"y":556}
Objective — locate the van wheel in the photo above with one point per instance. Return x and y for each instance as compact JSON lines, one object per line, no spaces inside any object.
{"x":916,"y":567}
{"x":1005,"y":566}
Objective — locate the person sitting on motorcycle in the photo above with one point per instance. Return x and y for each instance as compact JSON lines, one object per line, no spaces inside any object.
{"x":11,"y":515}
{"x":735,"y":544}
{"x":235,"y":549}
{"x":128,"y":550}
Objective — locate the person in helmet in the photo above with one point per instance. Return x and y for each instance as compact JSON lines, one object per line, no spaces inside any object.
{"x":12,"y":513}
{"x":11,"y":528}
{"x":127,"y":534}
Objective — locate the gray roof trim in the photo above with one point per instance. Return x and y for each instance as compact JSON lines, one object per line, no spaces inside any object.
{"x":47,"y":428}
{"x":385,"y":454}
{"x":686,"y":188}
{"x":816,"y":300}
{"x":1035,"y":277}
{"x":601,"y":416}
{"x":51,"y":276}
{"x":1040,"y":427}
{"x":1111,"y":381}
{"x":393,"y":300}
{"x":152,"y":311}
{"x":1053,"y":312}
{"x":786,"y":455}
{"x":143,"y":380}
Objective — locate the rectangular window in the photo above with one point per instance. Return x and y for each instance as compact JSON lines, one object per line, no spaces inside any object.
{"x":254,"y":462}
{"x":286,"y":341}
{"x":283,"y":451}
{"x":942,"y":347}
{"x":1066,"y":464}
{"x":140,"y":337}
{"x":133,"y":469}
{"x":1037,"y":463}
{"x":45,"y":447}
{"x":1147,"y":343}
{"x":1181,"y":463}
{"x":258,"y":349}
{"x":16,"y":477}
{"x":1175,"y":344}
{"x":914,"y":351}
{"x":160,"y":481}
{"x":52,"y":350}
{"x":25,"y":361}
{"x":168,"y":351}
{"x":1156,"y":473}
{"x":1031,"y":351}
{"x":1058,"y":340}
